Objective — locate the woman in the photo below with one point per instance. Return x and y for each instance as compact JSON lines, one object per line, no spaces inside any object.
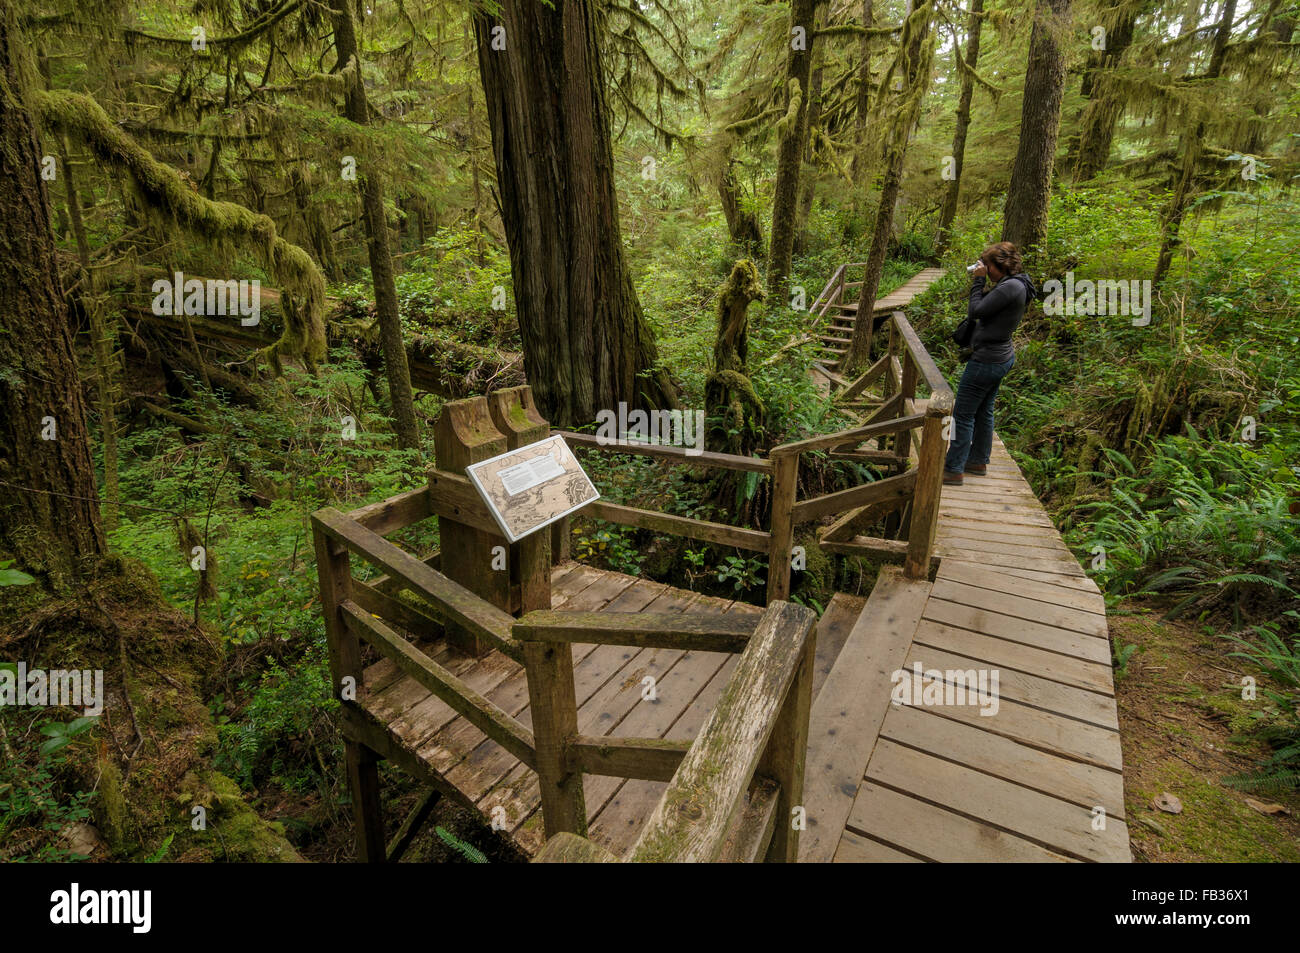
{"x":996,"y":312}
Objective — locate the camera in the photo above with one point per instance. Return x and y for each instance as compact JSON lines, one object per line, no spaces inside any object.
{"x":970,"y":269}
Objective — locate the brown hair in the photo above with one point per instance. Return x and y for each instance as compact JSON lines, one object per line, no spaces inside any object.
{"x":1005,"y":255}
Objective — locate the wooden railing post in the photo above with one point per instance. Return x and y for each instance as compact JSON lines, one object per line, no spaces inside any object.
{"x":516,"y":416}
{"x":903,"y":441}
{"x":334,"y":571}
{"x":554,"y":705}
{"x":785,"y":481}
{"x":784,"y":759}
{"x":925,"y":502}
{"x":464,"y":434}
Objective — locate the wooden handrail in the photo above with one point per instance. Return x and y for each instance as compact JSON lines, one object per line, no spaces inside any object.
{"x":761,"y":720}
{"x":498,"y":725}
{"x":941,"y":397}
{"x":853,"y":434}
{"x":677,"y":455}
{"x":449,"y":600}
{"x":656,"y":630}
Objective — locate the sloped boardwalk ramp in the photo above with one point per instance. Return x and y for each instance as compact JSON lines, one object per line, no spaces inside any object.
{"x":1037,"y":778}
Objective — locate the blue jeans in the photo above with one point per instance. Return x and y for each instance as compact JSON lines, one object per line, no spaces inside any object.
{"x":972,"y":439}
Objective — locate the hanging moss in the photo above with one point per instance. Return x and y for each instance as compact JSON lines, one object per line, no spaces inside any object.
{"x":168,"y":196}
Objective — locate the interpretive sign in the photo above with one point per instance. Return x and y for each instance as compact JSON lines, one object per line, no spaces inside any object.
{"x":533,"y":486}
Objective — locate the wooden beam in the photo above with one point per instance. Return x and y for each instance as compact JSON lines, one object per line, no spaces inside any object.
{"x":453,"y":497}
{"x":645,"y":759}
{"x":572,"y":849}
{"x":451,"y":601}
{"x":553,"y":703}
{"x":691,"y":821}
{"x":394,"y":610}
{"x":658,"y":630}
{"x":751,"y":539}
{"x":853,"y":436}
{"x":411,"y":826}
{"x":865,"y":381}
{"x":676,"y":455}
{"x":785,"y":485}
{"x":891,"y":488}
{"x":477,"y":710}
{"x":941,"y":398}
{"x":393,"y":513}
{"x":925,"y":502}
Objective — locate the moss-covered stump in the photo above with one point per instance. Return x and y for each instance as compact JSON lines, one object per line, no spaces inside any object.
{"x":146,"y":761}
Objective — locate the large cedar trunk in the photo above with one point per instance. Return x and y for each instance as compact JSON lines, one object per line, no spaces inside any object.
{"x":790,"y":150}
{"x":1028,"y":196}
{"x":49,"y":518}
{"x":357,"y":109}
{"x":949,"y":211}
{"x":587,"y":345}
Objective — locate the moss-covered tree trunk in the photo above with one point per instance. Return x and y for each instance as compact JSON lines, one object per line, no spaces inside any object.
{"x":587,"y":344}
{"x":742,"y":223}
{"x":1192,"y":146}
{"x":808,"y":177}
{"x":1105,"y":99}
{"x":1024,"y":217}
{"x":357,"y":109}
{"x":792,"y":141}
{"x":49,"y":517}
{"x":913,"y":69}
{"x":974,"y":26}
{"x":862,"y":105}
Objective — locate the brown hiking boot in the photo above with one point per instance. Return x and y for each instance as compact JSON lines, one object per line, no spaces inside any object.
{"x":979,"y":469}
{"x":951,"y":479}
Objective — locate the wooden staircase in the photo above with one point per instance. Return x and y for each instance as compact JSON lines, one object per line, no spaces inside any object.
{"x":837,"y":307}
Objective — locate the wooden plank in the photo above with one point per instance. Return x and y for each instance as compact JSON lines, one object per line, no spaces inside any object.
{"x":941,"y":398}
{"x":1060,"y":617}
{"x":1051,"y":822}
{"x":936,"y":834}
{"x":963,"y":526}
{"x":1061,"y":580}
{"x":1082,"y":784}
{"x":783,"y":759}
{"x":650,"y":759}
{"x":1041,"y":729}
{"x":856,"y":849}
{"x":670,"y":630}
{"x":397,"y":612}
{"x":785,"y":487}
{"x":451,"y":601}
{"x":988,"y":578}
{"x":721,"y":533}
{"x":691,"y":821}
{"x":833,"y":630}
{"x":1080,"y":703}
{"x":1008,"y":561}
{"x":1073,"y":644}
{"x":851,"y":707}
{"x":1061,"y":668}
{"x":1038,"y":537}
{"x":996,"y":514}
{"x":554,"y":705}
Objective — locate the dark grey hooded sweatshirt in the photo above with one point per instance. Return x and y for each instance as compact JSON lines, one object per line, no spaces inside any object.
{"x":997,"y":311}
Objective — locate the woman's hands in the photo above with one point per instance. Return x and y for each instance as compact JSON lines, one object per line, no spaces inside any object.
{"x":980,"y":271}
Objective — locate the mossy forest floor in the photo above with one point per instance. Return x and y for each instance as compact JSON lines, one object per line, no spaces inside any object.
{"x":1182,"y":727}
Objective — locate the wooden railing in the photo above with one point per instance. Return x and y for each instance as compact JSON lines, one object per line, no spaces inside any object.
{"x":735,"y":793}
{"x":916,"y":458}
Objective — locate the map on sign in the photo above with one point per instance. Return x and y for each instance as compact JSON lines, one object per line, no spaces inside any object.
{"x":532,"y":487}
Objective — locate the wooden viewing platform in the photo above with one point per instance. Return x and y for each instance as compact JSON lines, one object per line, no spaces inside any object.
{"x":594,"y":716}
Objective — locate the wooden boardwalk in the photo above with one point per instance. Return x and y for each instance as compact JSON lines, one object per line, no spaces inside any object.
{"x":1037,"y":778}
{"x":460,"y":760}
